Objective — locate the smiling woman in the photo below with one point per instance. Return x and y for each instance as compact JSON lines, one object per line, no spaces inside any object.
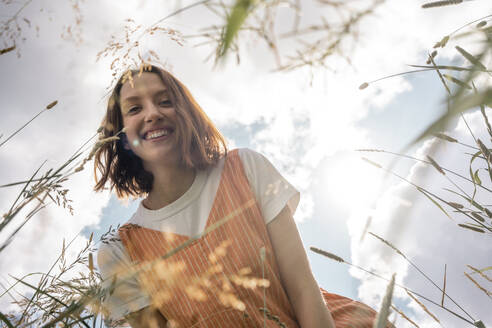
{"x":210,"y":244}
{"x":196,"y":138}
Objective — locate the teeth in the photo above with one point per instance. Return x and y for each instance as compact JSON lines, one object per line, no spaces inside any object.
{"x":156,"y":134}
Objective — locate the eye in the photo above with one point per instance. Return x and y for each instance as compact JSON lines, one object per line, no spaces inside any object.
{"x":165,"y":103}
{"x":133,"y":109}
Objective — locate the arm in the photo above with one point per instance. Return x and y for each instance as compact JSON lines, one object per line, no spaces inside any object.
{"x":147,"y":318}
{"x":295,"y":272}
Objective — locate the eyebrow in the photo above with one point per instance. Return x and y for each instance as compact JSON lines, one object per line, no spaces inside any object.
{"x":136,"y":98}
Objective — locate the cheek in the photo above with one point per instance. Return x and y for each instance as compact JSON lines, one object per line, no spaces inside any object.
{"x":131,"y":133}
{"x":134,"y":140}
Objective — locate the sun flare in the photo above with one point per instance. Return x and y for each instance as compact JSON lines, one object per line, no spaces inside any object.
{"x":351,"y":182}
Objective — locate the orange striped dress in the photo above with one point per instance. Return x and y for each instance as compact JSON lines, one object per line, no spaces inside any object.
{"x":228,"y":276}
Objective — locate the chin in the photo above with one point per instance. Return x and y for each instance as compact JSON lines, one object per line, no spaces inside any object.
{"x":163,"y":159}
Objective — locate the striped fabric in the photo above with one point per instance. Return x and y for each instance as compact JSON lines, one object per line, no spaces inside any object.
{"x":218,"y":280}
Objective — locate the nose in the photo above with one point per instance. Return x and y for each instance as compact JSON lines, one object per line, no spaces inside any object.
{"x":152,"y":113}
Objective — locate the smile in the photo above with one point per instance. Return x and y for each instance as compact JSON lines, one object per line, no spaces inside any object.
{"x":157,"y":134}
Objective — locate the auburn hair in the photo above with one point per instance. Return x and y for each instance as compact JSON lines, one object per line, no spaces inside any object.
{"x":200,"y":143}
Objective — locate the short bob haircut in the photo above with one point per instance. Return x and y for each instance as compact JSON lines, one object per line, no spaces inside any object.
{"x":200,"y":143}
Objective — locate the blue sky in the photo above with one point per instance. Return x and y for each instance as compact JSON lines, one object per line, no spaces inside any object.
{"x":306,"y":122}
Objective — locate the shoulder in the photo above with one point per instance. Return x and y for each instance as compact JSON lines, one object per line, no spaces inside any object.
{"x":271,"y":189}
{"x":249,"y":154}
{"x":256,"y":164}
{"x":252,"y":159}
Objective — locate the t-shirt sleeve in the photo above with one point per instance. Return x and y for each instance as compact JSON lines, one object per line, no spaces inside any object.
{"x":272,"y":191}
{"x":126,"y":295}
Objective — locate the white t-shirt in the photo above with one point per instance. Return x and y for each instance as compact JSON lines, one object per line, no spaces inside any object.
{"x":188,"y":216}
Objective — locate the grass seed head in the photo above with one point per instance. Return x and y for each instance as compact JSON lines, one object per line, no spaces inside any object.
{"x":455,"y":205}
{"x":52,"y":104}
{"x":477,"y":216}
{"x":445,"y":137}
{"x":436,"y":166}
{"x":466,"y":226}
{"x":489,"y":294}
{"x":435,"y":4}
{"x":327,"y":254}
{"x":481,"y":24}
{"x":422,"y":306}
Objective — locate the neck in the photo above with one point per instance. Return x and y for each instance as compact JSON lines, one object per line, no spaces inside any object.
{"x":168,"y":186}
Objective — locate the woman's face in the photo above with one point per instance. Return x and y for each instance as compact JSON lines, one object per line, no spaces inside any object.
{"x":150,"y":121}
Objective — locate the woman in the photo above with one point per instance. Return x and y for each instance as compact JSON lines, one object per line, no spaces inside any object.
{"x":240,"y":261}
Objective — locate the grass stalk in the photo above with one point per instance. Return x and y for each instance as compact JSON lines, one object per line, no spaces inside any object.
{"x":341,"y":260}
{"x":387,"y":243}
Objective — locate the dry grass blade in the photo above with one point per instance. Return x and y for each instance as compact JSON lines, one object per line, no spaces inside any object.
{"x":327,"y":254}
{"x":422,"y":306}
{"x":488,"y":293}
{"x":477,"y":181}
{"x":436,"y":166}
{"x":441,"y":3}
{"x":337,"y":258}
{"x":420,"y":271}
{"x":91,"y":263}
{"x":404,"y":316}
{"x":426,"y":69}
{"x":475,"y":204}
{"x":485,"y":152}
{"x":37,"y":289}
{"x":6,"y":50}
{"x":486,"y":119}
{"x":457,"y":81}
{"x":372,"y":163}
{"x":382,"y":316}
{"x":444,"y":286}
{"x":472,"y":59}
{"x":431,"y":59}
{"x":7,"y":218}
{"x":466,"y":226}
{"x":435,"y":202}
{"x":480,"y":273}
{"x":366,"y":227}
{"x":426,"y":162}
{"x":445,"y":137}
{"x":446,"y":67}
{"x":22,"y":127}
{"x":389,"y":244}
